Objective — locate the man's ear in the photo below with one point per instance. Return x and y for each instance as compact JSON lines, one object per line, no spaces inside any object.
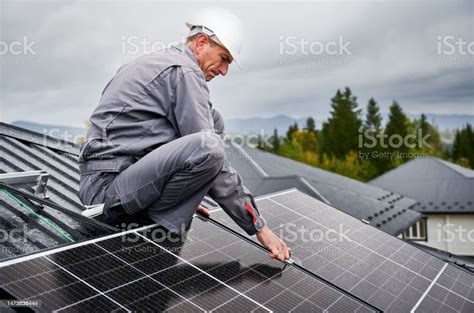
{"x":201,"y":41}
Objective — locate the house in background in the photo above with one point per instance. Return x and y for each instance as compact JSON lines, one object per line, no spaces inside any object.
{"x":445,"y":196}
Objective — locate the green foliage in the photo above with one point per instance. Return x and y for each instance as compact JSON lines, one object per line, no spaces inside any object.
{"x":463,"y":147}
{"x":373,"y":116}
{"x":435,"y":146}
{"x":292,"y":149}
{"x":339,"y":133}
{"x":351,"y":166}
{"x":307,"y":139}
{"x":373,"y":164}
{"x":293,"y":128}
{"x":275,"y":140}
{"x":398,"y":126}
{"x":337,"y":148}
{"x":310,"y":125}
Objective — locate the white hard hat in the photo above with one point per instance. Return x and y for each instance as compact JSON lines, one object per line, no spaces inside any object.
{"x":221,"y":23}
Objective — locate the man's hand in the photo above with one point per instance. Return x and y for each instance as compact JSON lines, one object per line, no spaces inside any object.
{"x":278,"y":249}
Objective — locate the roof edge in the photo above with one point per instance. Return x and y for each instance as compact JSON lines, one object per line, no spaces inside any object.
{"x":9,"y":130}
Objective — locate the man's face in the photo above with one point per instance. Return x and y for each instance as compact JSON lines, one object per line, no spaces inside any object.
{"x":213,"y":59}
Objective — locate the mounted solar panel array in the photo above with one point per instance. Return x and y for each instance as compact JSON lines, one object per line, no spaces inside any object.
{"x":384,"y":271}
{"x":211,"y":269}
{"x":362,"y":269}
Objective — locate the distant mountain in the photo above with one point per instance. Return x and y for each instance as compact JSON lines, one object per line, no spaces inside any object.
{"x":256,"y":124}
{"x":282,"y":122}
{"x":446,"y":121}
{"x":68,"y":133}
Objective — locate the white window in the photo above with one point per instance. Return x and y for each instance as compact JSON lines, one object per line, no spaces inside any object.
{"x":417,"y":231}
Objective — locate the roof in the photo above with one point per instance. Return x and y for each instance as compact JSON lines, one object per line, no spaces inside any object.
{"x":462,"y":261}
{"x":437,"y":185}
{"x":23,"y":150}
{"x":263,"y":172}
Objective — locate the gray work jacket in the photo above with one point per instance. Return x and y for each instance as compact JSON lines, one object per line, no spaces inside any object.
{"x":150,"y":102}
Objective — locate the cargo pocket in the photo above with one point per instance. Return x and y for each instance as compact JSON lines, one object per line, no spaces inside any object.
{"x":92,"y":187}
{"x":88,"y":188}
{"x":141,"y":198}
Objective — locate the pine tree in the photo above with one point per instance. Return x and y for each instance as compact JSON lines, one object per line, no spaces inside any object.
{"x":424,"y":125}
{"x":397,"y":127}
{"x":310,"y":125}
{"x":275,"y":141}
{"x":291,"y":130}
{"x":373,"y":165}
{"x":463,"y":146}
{"x":373,"y":117}
{"x":340,"y":132}
{"x":423,"y":128}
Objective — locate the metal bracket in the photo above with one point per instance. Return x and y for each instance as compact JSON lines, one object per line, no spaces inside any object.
{"x":93,"y":210}
{"x":36,"y":179}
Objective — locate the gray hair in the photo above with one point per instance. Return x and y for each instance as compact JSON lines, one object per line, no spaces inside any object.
{"x":192,"y":38}
{"x":198,"y":30}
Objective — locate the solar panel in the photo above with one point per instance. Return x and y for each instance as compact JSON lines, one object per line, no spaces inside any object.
{"x":380,"y":269}
{"x":449,"y":292}
{"x":140,"y":270}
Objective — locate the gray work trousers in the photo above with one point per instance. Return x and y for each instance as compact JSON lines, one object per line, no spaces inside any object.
{"x":168,"y":183}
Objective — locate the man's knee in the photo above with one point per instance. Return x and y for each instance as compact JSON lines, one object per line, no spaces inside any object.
{"x":210,"y":146}
{"x":213,"y":145}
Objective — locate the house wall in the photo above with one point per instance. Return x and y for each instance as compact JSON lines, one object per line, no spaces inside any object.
{"x":453,"y":233}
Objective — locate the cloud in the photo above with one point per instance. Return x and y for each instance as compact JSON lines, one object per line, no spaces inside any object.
{"x":80,"y":45}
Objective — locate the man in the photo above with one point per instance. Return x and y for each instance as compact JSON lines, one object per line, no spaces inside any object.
{"x":155,"y":145}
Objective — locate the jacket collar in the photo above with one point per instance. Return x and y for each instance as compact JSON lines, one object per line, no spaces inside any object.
{"x":182,"y":47}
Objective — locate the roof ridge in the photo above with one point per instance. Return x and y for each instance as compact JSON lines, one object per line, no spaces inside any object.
{"x":398,"y":168}
{"x":311,"y":167}
{"x":463,"y":171}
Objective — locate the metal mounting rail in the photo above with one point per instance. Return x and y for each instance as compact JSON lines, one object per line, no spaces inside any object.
{"x":53,"y":205}
{"x":37,"y":179}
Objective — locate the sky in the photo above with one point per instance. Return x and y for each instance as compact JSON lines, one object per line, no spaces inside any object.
{"x":57,"y":56}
